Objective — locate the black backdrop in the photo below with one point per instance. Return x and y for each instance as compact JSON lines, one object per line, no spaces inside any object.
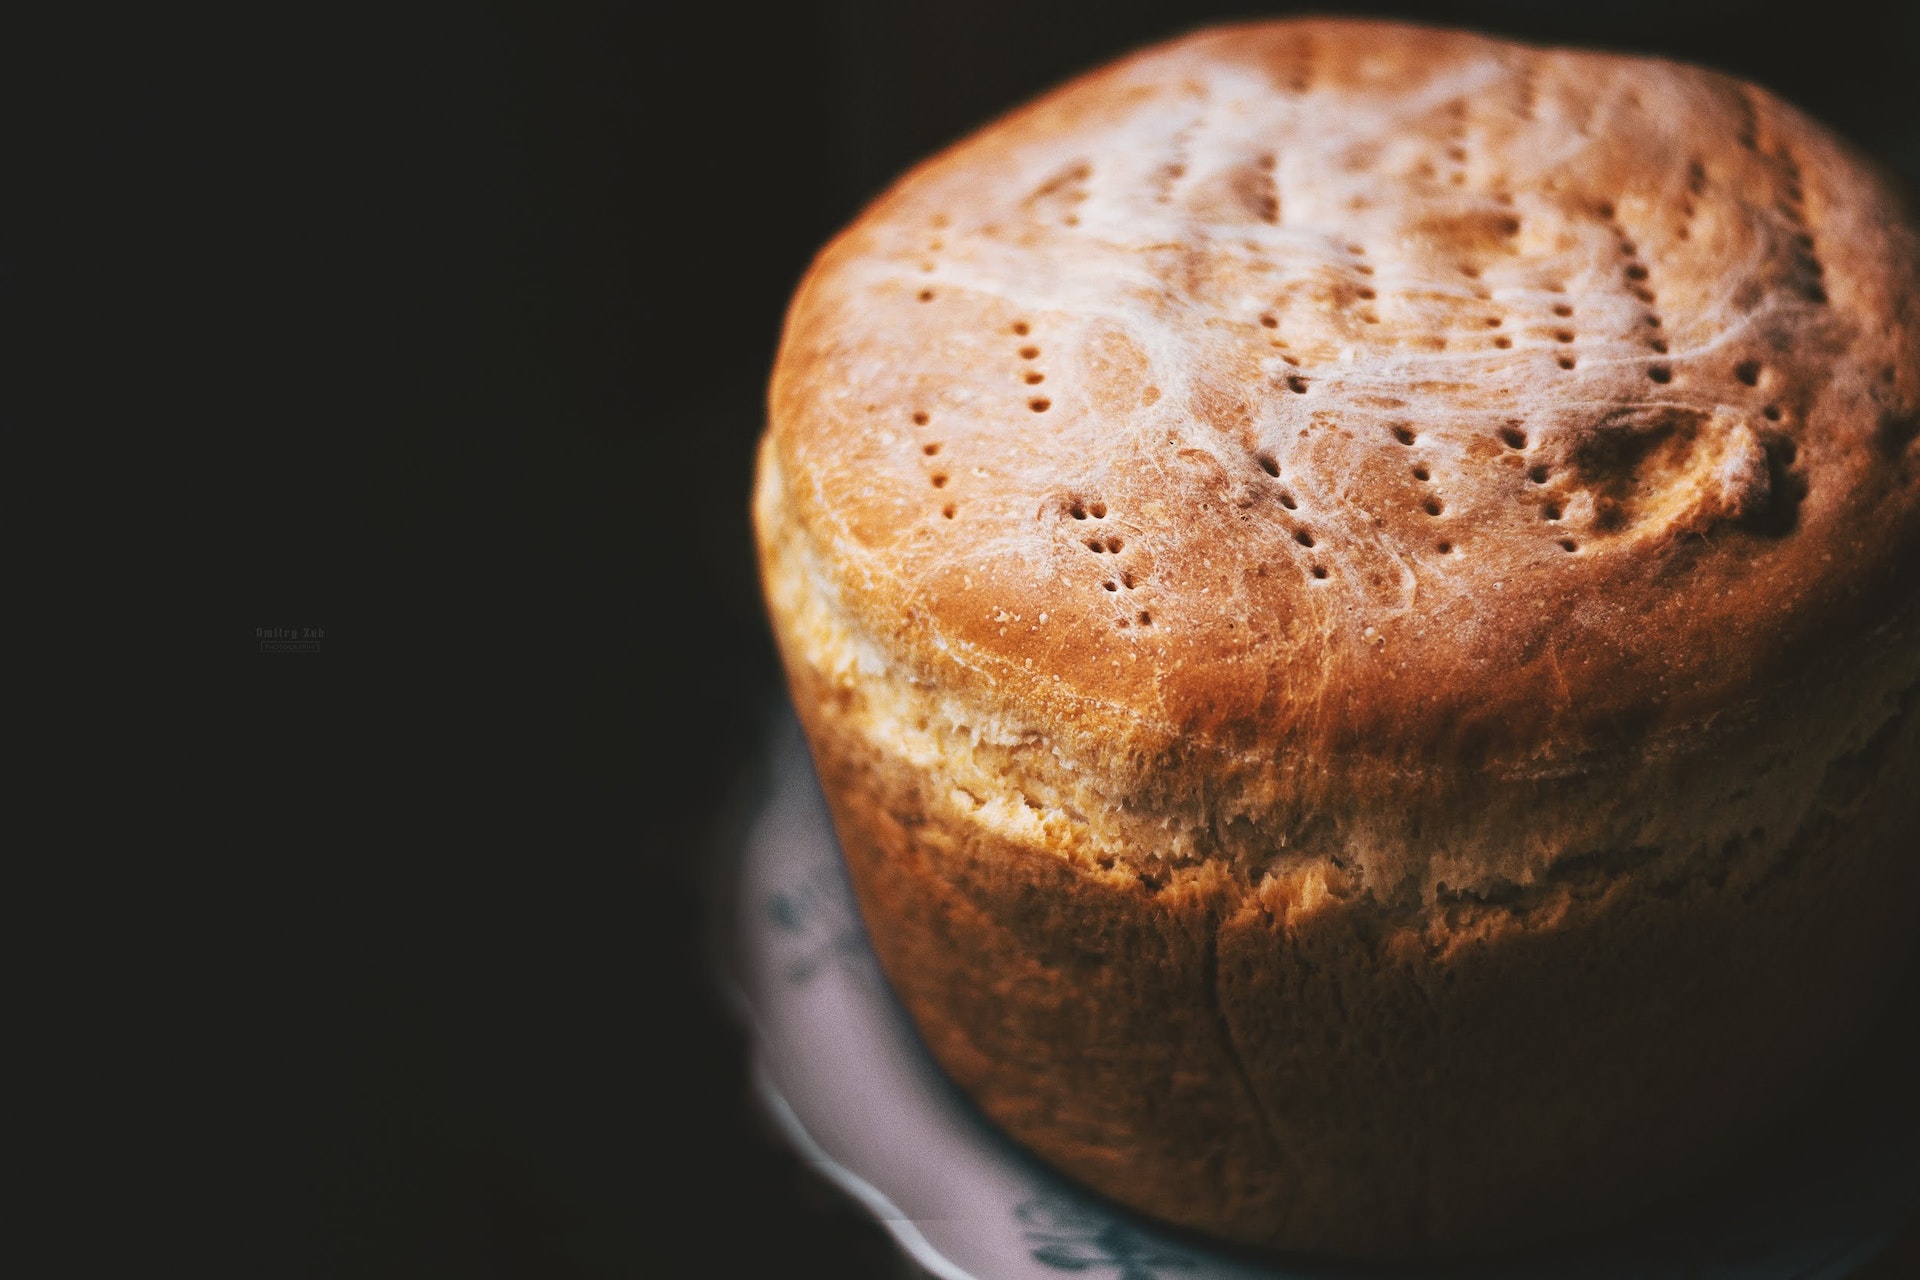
{"x":494,"y":293}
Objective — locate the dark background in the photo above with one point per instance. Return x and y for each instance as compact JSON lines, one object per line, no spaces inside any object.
{"x":488,"y":297}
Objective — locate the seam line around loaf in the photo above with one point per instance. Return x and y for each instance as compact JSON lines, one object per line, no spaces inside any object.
{"x":1711,"y":867}
{"x":852,"y":654}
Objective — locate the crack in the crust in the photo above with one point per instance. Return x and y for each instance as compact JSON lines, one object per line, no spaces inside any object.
{"x":1581,"y":877}
{"x":1850,"y":778}
{"x":1268,"y":1131}
{"x":1845,"y":781}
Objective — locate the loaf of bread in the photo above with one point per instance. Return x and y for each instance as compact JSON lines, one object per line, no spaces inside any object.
{"x":1355,"y":592}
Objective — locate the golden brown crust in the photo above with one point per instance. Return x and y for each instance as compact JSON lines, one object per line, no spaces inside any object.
{"x":1380,"y":196}
{"x":1302,"y":1052}
{"x":1323,"y":1081}
{"x":1260,"y":811}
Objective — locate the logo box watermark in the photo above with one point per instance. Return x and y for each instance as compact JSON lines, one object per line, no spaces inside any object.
{"x":289,"y":639}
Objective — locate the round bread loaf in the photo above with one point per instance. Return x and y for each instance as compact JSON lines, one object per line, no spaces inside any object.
{"x":1355,"y":591}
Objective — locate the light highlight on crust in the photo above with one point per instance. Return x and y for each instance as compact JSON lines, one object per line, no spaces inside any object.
{"x":1417,"y":844}
{"x":1298,"y":427}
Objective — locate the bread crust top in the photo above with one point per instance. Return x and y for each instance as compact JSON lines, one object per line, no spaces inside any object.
{"x":1344,"y":389}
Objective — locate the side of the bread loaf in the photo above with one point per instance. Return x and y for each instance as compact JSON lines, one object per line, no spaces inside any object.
{"x":1285,"y":1052}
